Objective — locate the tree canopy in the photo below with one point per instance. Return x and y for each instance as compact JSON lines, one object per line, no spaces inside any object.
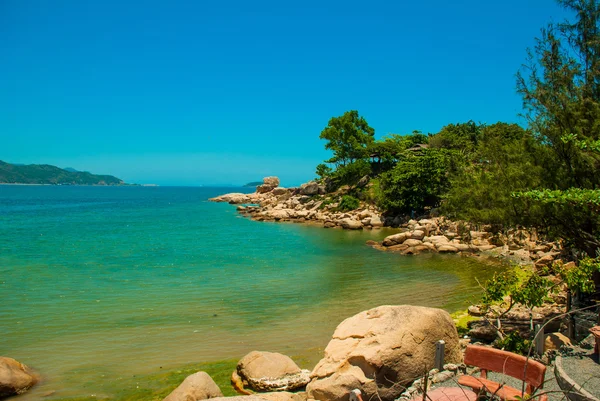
{"x":348,"y":137}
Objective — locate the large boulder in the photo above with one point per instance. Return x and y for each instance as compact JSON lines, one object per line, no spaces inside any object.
{"x":234,"y":198}
{"x":271,"y":371}
{"x":351,"y":224}
{"x":269,"y":184}
{"x":310,"y":188}
{"x":199,"y":386}
{"x":381,"y":350}
{"x":271,"y":181}
{"x":15,"y":377}
{"x":395,"y":239}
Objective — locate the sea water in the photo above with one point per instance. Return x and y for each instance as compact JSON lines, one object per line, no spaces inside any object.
{"x":98,"y":281}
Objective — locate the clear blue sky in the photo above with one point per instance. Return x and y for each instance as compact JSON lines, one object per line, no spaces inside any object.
{"x":225,"y":92}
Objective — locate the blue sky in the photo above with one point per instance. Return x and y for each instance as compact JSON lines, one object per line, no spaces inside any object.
{"x":226,"y":92}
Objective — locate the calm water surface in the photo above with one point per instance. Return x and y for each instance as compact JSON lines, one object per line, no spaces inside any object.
{"x":98,"y":281}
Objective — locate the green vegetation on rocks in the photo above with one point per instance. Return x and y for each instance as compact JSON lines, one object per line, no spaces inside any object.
{"x":544,"y":176}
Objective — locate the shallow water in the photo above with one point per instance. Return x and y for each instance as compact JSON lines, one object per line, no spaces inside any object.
{"x":99,"y":282}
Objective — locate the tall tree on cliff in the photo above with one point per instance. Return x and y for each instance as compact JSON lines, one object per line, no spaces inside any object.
{"x":560,"y":85}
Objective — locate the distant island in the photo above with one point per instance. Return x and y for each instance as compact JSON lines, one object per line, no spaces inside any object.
{"x":253,"y":184}
{"x":45,"y":174}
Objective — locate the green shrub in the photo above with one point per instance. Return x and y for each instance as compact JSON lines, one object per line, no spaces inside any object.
{"x":348,"y":203}
{"x":513,"y":342}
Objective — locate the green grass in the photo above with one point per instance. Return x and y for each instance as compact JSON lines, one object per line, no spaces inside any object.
{"x":461,"y":319}
{"x":156,"y":386}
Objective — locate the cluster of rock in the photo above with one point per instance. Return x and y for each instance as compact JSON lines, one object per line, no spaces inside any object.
{"x":380,"y":351}
{"x":306,"y":203}
{"x":516,"y":320}
{"x":310,"y":203}
{"x":439,"y":234}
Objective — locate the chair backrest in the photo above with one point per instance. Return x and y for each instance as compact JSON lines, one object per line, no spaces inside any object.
{"x":506,"y":363}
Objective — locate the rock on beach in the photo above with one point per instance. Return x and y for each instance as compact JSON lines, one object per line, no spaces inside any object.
{"x":15,"y":377}
{"x":381,"y":350}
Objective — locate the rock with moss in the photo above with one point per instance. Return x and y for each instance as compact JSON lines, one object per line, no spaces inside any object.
{"x":199,"y":386}
{"x":270,"y":371}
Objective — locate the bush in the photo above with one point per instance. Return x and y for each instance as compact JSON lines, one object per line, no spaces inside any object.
{"x":513,"y":342}
{"x":348,"y":203}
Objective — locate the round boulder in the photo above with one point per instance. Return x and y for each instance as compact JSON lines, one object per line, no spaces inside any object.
{"x":351,"y":224}
{"x":381,"y":350}
{"x":271,"y":181}
{"x":271,"y":371}
{"x":310,"y":188}
{"x":15,"y":377}
{"x":199,"y":386}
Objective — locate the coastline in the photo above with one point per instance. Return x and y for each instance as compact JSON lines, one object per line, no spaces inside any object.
{"x":311,"y":204}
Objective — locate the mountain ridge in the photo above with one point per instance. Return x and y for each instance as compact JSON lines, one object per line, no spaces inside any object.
{"x":51,"y":175}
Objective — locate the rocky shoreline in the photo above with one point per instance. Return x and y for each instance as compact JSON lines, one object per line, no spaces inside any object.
{"x":311,"y":203}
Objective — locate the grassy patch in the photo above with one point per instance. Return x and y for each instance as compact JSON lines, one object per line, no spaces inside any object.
{"x":461,"y":319}
{"x":156,"y":386}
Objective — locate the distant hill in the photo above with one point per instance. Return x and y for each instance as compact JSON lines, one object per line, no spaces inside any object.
{"x":47,"y":174}
{"x":71,"y":170}
{"x":253,"y":184}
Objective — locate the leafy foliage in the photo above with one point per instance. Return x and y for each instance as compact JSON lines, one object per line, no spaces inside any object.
{"x":580,"y":278}
{"x":348,"y":136}
{"x":351,"y":173}
{"x":500,"y":164}
{"x":416,"y":182}
{"x":348,"y":203}
{"x":513,"y":342}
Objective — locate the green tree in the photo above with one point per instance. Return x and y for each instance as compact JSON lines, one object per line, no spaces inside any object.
{"x":501,"y":164}
{"x":560,"y":86}
{"x":348,"y":137}
{"x":416,"y":182}
{"x":561,"y":94}
{"x":462,"y":137}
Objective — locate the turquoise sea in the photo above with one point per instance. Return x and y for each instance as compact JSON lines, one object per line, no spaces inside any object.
{"x":98,"y":283}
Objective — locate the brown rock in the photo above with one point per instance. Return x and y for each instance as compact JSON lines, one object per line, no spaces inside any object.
{"x":395,"y":239}
{"x":411,"y":250}
{"x":259,"y":364}
{"x":351,"y":224}
{"x":271,"y":371}
{"x":284,"y":396}
{"x":397,"y":248}
{"x":412,"y":242}
{"x":199,"y":386}
{"x":447,"y":249}
{"x":556,"y":341}
{"x":279,"y":191}
{"x":393,"y":344}
{"x":15,"y":377}
{"x":417,"y":234}
{"x":544,"y":261}
{"x":337,"y":386}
